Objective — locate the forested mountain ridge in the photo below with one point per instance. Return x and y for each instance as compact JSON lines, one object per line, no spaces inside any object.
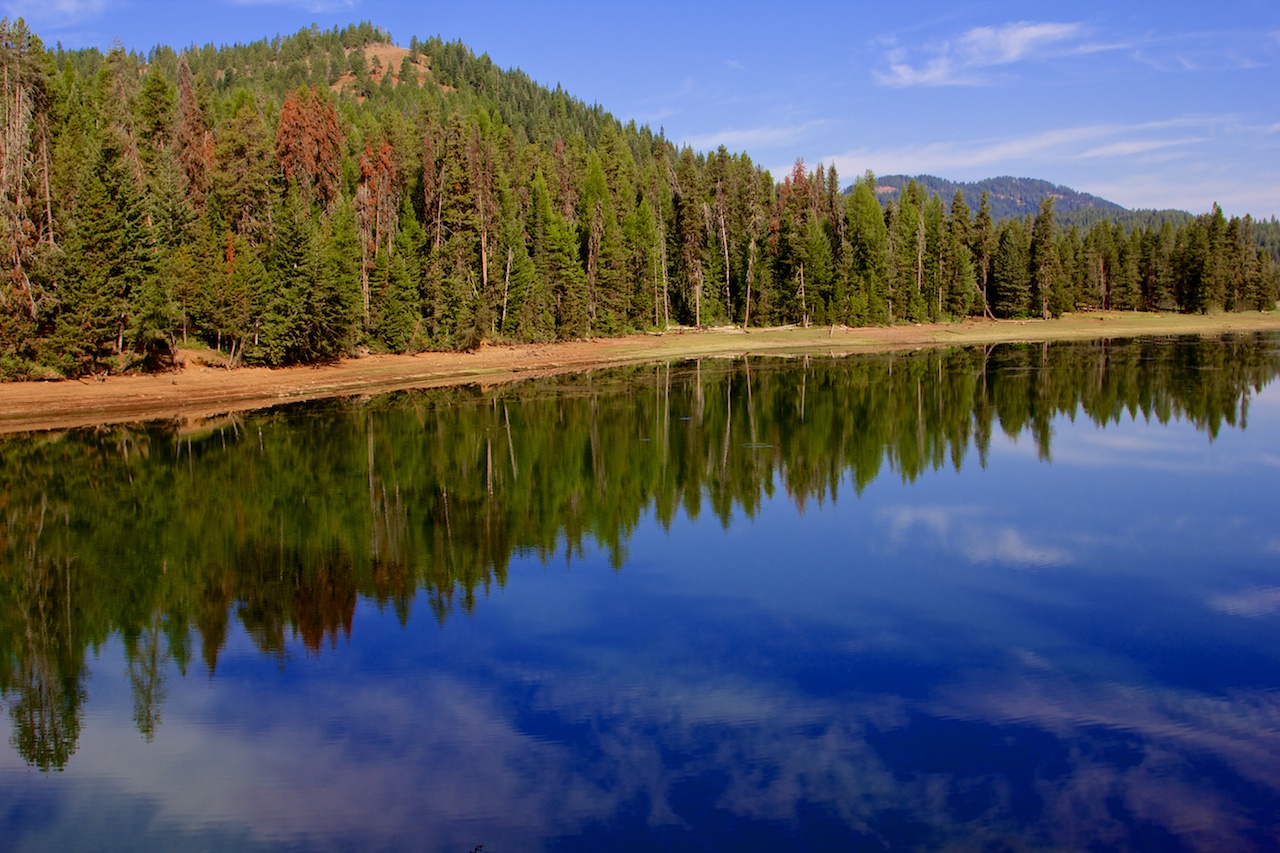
{"x":1020,"y":197}
{"x":301,"y":198}
{"x":1009,"y":197}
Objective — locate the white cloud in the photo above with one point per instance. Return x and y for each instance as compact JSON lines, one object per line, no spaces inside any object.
{"x":960,"y":62}
{"x":986,"y":46}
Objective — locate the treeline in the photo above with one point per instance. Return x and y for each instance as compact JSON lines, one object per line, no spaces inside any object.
{"x":428,"y":496}
{"x":298,"y":199}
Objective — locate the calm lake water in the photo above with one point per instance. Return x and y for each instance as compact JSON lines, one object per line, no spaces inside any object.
{"x":1000,"y":598}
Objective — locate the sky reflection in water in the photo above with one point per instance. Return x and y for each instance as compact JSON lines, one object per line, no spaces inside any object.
{"x":1028,"y":653}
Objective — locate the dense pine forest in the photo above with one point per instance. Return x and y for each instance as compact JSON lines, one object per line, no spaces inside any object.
{"x":322,"y":194}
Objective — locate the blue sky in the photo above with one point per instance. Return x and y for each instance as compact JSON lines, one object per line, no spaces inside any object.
{"x":1169,"y":104}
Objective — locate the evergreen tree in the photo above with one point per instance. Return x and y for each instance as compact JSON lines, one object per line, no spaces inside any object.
{"x":309,"y":141}
{"x":907,"y":251}
{"x":982,"y":247}
{"x":27,"y":238}
{"x":869,"y":246}
{"x":395,"y":296}
{"x":536,"y":303}
{"x":335,"y":300}
{"x":243,"y":167}
{"x":1045,"y":267}
{"x":1010,"y":271}
{"x":112,"y":304}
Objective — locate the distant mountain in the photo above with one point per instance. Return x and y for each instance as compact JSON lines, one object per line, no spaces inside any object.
{"x":1012,"y":198}
{"x":1009,"y":197}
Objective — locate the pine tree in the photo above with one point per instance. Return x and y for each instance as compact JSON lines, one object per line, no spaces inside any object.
{"x":309,"y":141}
{"x":690,"y":233}
{"x":1045,"y":271}
{"x":27,"y":238}
{"x":192,"y":137}
{"x":935,"y":227}
{"x":982,"y":247}
{"x":396,"y":294}
{"x":869,"y":245}
{"x":243,"y":167}
{"x":1011,"y":271}
{"x":960,"y":285}
{"x":604,"y":253}
{"x":907,"y":246}
{"x":335,"y":300}
{"x":112,"y":304}
{"x":282,"y":330}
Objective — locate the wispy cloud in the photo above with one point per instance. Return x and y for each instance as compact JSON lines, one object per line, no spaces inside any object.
{"x":961,"y":61}
{"x":307,"y":5}
{"x":56,"y":12}
{"x":1066,"y":143}
{"x":754,"y":138}
{"x":1127,"y":147}
{"x":1174,"y":162}
{"x":1210,"y":50}
{"x":1259,"y":197}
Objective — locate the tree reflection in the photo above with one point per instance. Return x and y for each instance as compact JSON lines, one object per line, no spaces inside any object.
{"x":43,"y":671}
{"x":284,"y":519}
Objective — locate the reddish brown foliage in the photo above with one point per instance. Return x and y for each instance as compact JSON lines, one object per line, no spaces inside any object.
{"x":377,"y":196}
{"x":309,"y":146}
{"x":195,"y":142}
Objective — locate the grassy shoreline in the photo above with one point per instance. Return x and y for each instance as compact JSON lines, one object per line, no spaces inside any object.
{"x":198,"y":390}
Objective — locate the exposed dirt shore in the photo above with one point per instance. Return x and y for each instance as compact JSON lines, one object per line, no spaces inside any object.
{"x":199,"y":390}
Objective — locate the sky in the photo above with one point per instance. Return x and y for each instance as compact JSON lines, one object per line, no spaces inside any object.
{"x":1166,"y":104}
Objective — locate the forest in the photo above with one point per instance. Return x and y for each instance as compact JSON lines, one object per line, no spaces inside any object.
{"x":310,"y":197}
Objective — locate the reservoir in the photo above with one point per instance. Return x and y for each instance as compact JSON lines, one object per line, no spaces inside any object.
{"x":1003,"y":597}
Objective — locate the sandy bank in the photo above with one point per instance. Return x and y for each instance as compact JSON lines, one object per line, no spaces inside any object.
{"x":198,"y":391}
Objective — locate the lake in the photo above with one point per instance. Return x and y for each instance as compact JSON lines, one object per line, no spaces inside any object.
{"x":1004,"y":597}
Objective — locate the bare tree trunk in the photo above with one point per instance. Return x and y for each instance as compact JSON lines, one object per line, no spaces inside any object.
{"x":506,"y":287}
{"x":920,"y":255}
{"x":804,"y":305}
{"x":666,"y":299}
{"x":697,"y":295}
{"x":724,"y":243}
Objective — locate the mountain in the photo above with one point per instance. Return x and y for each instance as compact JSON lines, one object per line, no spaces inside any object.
{"x":1010,"y":198}
{"x":1018,"y":198}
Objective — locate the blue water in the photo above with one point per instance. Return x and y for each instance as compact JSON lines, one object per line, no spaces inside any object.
{"x":1077,"y":652}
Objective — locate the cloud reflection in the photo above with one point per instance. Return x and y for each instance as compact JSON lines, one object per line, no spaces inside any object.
{"x":1172,"y":742}
{"x":438,"y":762}
{"x":965,"y":531}
{"x":1250,"y":603}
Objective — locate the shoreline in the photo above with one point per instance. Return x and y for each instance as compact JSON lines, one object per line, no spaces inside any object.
{"x":198,"y":391}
